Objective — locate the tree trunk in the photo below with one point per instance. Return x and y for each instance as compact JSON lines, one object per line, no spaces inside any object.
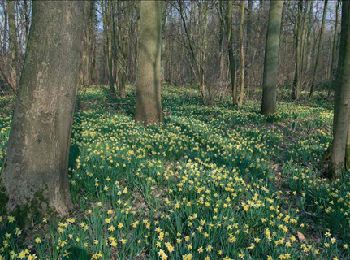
{"x":300,"y":38}
{"x":13,"y":44}
{"x":111,"y":46}
{"x":85,"y":66}
{"x":121,"y":53}
{"x":148,"y":86}
{"x":318,"y":48}
{"x":340,"y":147}
{"x":249,"y":48}
{"x":335,"y":47}
{"x":26,"y":17}
{"x":4,"y":8}
{"x":35,"y":169}
{"x":232,"y":66}
{"x":92,"y":51}
{"x":268,"y":103}
{"x":240,"y":97}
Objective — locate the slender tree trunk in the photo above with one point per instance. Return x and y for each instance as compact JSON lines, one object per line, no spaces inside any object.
{"x":106,"y":44}
{"x":4,"y":8}
{"x":306,"y":27}
{"x":13,"y":44}
{"x":85,"y":66}
{"x":232,"y":66}
{"x":249,"y":43}
{"x":309,"y":42}
{"x":26,"y":17}
{"x":148,"y":86}
{"x":335,"y":47}
{"x":35,"y":171}
{"x":222,"y":43}
{"x":340,"y":147}
{"x":318,"y":48}
{"x":111,"y":47}
{"x":299,"y":40}
{"x":115,"y":54}
{"x":196,"y":54}
{"x":268,"y":103}
{"x":239,"y":101}
{"x":92,"y":51}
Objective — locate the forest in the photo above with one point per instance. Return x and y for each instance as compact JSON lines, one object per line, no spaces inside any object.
{"x":175,"y":129}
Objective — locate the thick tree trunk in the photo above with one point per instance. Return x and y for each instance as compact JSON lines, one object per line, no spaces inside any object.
{"x":340,"y":148}
{"x":312,"y":88}
{"x":35,"y":170}
{"x":268,"y":102}
{"x":148,"y":86}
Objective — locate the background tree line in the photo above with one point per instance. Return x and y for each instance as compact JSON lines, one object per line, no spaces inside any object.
{"x":195,"y":44}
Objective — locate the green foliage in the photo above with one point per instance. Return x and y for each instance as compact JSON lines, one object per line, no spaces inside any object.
{"x":210,"y":182}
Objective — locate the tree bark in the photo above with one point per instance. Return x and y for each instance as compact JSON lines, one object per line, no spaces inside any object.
{"x":35,"y":169}
{"x":340,"y":147}
{"x":249,"y":48}
{"x":232,"y":65}
{"x":334,"y":46}
{"x":240,"y":97}
{"x":268,"y":102}
{"x":85,"y":67}
{"x":4,"y":8}
{"x":13,"y":44}
{"x":299,"y":33}
{"x":318,"y":48}
{"x":148,"y":86}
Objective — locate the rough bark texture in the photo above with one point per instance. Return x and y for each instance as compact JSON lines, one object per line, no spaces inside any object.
{"x":148,"y":85}
{"x":268,"y":102}
{"x":342,"y":99}
{"x":35,"y":170}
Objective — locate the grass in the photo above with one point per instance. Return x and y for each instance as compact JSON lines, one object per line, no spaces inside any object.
{"x":210,"y":183}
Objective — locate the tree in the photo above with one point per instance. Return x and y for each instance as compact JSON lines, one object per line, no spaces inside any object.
{"x":340,"y":148}
{"x":232,"y":65}
{"x":249,"y":43}
{"x":318,"y":48}
{"x":335,"y":42}
{"x":85,"y":70}
{"x":240,"y":97}
{"x":13,"y":44}
{"x":197,"y":45}
{"x":148,"y":85}
{"x":300,"y":35}
{"x":268,"y":102}
{"x":35,"y":169}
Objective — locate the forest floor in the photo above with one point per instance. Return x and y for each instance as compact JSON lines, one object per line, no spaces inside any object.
{"x":210,"y":183}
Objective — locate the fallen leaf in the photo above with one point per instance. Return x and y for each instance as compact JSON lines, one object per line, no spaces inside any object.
{"x":301,"y":236}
